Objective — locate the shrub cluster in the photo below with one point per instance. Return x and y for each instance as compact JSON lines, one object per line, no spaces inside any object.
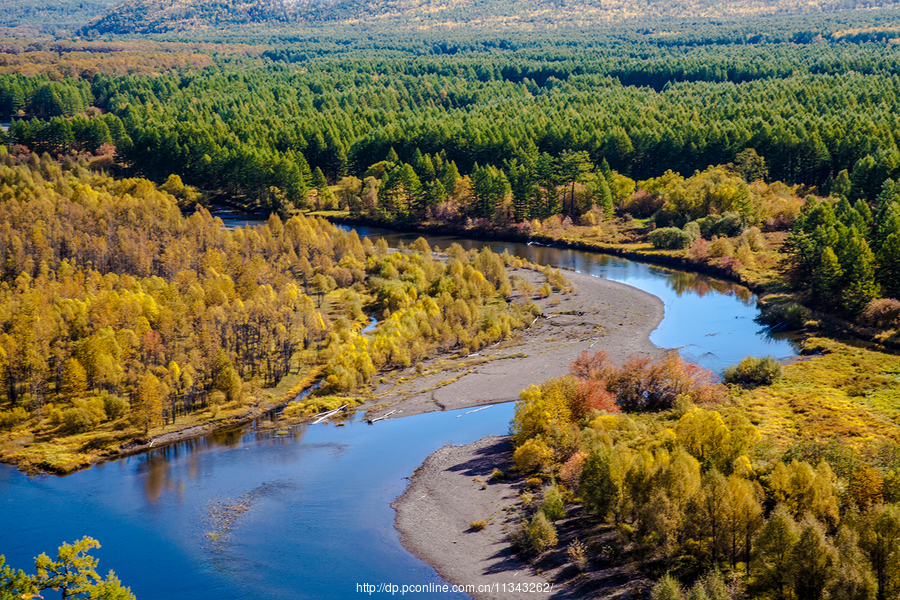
{"x":883,"y":313}
{"x":729,"y":224}
{"x":671,"y":238}
{"x":753,"y":371}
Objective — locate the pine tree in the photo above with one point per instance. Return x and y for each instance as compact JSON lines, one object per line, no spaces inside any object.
{"x":841,"y":184}
{"x":603,"y":196}
{"x":412,"y":189}
{"x":888,"y":260}
{"x":859,"y":274}
{"x":827,"y":277}
{"x":392,"y":156}
{"x":522,"y":186}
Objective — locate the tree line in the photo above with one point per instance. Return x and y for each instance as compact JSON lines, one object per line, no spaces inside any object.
{"x":246,"y":126}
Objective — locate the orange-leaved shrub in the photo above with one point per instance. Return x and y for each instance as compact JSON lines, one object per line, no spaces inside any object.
{"x":640,"y":384}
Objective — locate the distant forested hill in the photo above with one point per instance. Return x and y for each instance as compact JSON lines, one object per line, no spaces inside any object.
{"x":162,"y":16}
{"x":159,"y":16}
{"x":51,"y":15}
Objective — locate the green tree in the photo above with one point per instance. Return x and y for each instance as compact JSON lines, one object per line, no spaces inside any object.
{"x":853,"y":578}
{"x":14,"y":584}
{"x":412,"y":189}
{"x":523,"y":188}
{"x":489,"y":187}
{"x":827,"y":277}
{"x":74,"y":573}
{"x":774,"y":554}
{"x":858,"y":263}
{"x":879,"y":538}
{"x":573,"y":166}
{"x":598,"y":491}
{"x":751,"y":165}
{"x":812,"y":561}
{"x":841,"y":184}
{"x":667,"y":588}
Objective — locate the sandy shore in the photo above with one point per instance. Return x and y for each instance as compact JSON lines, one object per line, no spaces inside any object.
{"x":448,"y":492}
{"x":453,"y":487}
{"x":598,"y":315}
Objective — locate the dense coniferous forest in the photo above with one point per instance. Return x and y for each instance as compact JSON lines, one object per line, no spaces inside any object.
{"x":510,"y":131}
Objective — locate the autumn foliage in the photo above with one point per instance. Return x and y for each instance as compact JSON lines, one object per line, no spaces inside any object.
{"x":640,"y":383}
{"x":117,"y":309}
{"x":692,"y":488}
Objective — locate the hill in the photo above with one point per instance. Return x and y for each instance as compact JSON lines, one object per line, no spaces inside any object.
{"x":159,"y":16}
{"x":162,"y":16}
{"x":51,"y":15}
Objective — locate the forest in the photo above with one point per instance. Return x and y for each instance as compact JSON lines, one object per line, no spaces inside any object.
{"x":512,"y":137}
{"x":764,"y":148}
{"x":120,"y":314}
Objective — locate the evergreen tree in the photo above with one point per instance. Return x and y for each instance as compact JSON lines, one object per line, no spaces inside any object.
{"x":888,"y":261}
{"x":858,"y":264}
{"x":412,"y":189}
{"x":602,"y":194}
{"x":841,"y":185}
{"x":827,"y":277}
{"x":392,"y":156}
{"x":522,"y":186}
{"x":489,"y":187}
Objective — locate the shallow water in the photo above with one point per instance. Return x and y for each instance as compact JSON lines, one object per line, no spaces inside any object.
{"x":319,"y":520}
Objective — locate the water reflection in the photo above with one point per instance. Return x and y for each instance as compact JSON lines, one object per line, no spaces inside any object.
{"x":155,"y":467}
{"x":709,"y":320}
{"x":321,"y":493}
{"x":684,"y":282}
{"x":603,"y":265}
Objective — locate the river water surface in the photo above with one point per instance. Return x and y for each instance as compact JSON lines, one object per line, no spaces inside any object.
{"x":318,"y":521}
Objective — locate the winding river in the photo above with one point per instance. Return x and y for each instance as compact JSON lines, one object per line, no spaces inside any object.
{"x":254,"y":514}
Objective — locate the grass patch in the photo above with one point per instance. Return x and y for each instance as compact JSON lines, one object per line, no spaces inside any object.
{"x":477,"y":525}
{"x":848,"y":392}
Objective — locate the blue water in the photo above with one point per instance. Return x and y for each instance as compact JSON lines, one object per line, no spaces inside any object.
{"x":320,"y":520}
{"x":709,"y":320}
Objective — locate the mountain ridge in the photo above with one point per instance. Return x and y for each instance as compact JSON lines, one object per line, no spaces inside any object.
{"x":164,"y":16}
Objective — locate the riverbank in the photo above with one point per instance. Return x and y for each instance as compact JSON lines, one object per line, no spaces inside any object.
{"x":597,"y":315}
{"x":635,"y":250}
{"x":64,"y":454}
{"x":780,"y":307}
{"x":454,"y":487}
